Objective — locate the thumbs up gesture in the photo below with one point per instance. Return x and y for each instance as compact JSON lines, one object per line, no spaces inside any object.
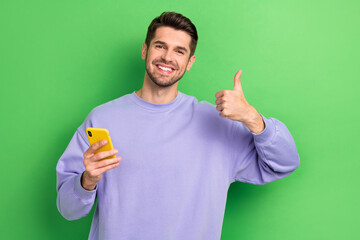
{"x":233,"y":105}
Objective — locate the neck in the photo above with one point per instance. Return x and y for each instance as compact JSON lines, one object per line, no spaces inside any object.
{"x":158,"y":97}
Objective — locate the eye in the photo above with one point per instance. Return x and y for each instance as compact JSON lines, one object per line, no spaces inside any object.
{"x":158,"y":46}
{"x":180,"y":52}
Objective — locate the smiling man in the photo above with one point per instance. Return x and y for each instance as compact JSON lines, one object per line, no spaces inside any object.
{"x":176,"y":156}
{"x":167,"y":57}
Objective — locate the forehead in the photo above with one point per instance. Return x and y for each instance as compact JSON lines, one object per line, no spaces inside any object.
{"x":172,"y":36}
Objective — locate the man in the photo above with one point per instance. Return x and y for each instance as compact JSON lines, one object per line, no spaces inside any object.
{"x":176,"y":157}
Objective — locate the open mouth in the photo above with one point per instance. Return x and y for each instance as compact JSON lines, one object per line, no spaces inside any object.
{"x":165,"y":70}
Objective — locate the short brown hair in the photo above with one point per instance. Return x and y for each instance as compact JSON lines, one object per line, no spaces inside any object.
{"x":176,"y":21}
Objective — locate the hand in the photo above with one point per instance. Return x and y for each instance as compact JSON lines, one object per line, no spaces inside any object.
{"x":233,"y":105}
{"x":94,"y":167}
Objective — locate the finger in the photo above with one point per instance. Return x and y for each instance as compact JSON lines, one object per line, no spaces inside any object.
{"x":219,"y":94}
{"x":219,"y":107}
{"x":218,"y":101}
{"x":106,"y":162}
{"x":92,"y":149}
{"x":104,"y":154}
{"x":237,"y":82}
{"x":99,"y":171}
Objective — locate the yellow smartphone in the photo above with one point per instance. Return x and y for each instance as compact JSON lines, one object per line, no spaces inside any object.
{"x":97,"y":134}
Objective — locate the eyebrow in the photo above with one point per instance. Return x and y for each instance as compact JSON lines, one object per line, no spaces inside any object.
{"x":161,"y":42}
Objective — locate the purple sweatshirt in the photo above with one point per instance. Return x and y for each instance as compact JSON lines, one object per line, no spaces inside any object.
{"x":178,"y":160}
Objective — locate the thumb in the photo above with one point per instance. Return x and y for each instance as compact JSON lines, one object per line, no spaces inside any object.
{"x":237,"y":82}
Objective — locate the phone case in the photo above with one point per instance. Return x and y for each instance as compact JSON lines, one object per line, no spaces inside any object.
{"x":97,"y":134}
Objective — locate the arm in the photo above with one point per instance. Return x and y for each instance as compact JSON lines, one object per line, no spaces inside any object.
{"x":264,"y":157}
{"x":73,"y":201}
{"x":264,"y":154}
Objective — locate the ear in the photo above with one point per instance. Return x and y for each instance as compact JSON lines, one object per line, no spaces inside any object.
{"x":190,"y":63}
{"x":143,"y":51}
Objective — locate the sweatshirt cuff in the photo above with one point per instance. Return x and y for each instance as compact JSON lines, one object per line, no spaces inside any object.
{"x":268,"y":132}
{"x":82,"y":193}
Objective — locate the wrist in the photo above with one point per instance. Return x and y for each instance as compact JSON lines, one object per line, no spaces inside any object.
{"x":86,"y":184}
{"x":256,"y":123}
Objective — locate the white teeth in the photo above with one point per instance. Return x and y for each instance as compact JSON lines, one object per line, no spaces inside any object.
{"x":165,"y":68}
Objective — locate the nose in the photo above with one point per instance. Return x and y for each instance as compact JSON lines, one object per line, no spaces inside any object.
{"x":167,"y":56}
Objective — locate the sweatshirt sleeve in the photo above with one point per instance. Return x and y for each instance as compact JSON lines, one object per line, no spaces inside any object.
{"x":264,"y":157}
{"x":73,"y":201}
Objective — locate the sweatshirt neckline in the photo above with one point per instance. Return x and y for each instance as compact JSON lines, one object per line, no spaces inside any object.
{"x":154,"y":106}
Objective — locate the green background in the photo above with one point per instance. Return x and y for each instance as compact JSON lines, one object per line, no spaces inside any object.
{"x":300,"y":62}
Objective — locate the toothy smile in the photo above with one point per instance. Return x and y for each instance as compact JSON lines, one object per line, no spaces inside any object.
{"x":165,"y":69}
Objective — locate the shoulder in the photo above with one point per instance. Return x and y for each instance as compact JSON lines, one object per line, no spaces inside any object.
{"x":106,"y":111}
{"x":120,"y":103}
{"x":202,"y":106}
{"x":209,"y":115}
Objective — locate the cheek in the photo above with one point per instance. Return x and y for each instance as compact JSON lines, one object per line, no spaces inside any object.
{"x":182,"y":65}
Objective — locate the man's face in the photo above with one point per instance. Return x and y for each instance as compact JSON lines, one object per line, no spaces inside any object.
{"x":169,"y":50}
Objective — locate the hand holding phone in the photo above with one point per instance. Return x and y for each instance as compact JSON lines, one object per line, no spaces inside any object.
{"x":97,"y":134}
{"x":98,"y":158}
